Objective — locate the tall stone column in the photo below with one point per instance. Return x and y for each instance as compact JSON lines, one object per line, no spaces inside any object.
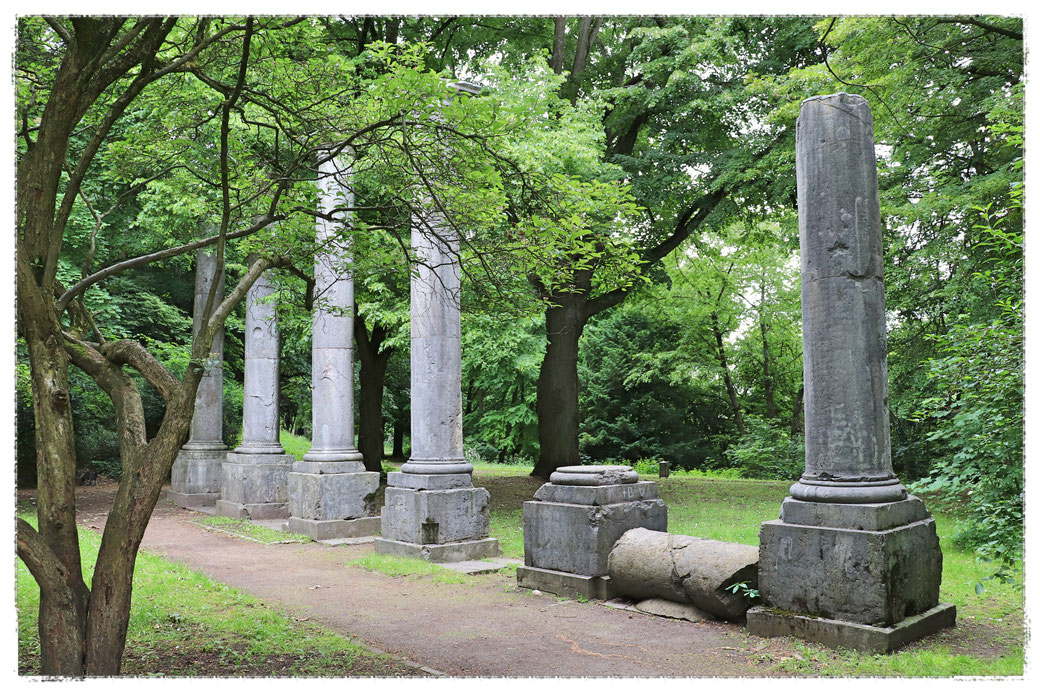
{"x":255,"y":474}
{"x":852,"y":561}
{"x":330,"y":493}
{"x":432,"y":510}
{"x":196,"y":475}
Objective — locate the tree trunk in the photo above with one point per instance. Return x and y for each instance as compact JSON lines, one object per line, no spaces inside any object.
{"x":557,"y":394}
{"x":64,"y":595}
{"x":370,"y":398}
{"x":400,"y":425}
{"x":767,"y":376}
{"x":796,"y":411}
{"x":731,"y":390}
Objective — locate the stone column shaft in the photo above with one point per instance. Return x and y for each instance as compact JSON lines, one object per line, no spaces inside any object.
{"x":262,"y":347}
{"x":852,"y":561}
{"x":847,"y":450}
{"x":331,"y":495}
{"x":436,"y":354}
{"x":207,"y":431}
{"x":196,"y":475}
{"x":255,"y":474}
{"x":332,"y":352}
{"x":432,"y":510}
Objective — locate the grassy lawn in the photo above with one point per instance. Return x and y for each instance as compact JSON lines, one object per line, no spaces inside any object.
{"x":244,"y":529}
{"x":297,"y":446}
{"x":989,"y":636}
{"x":184,"y":624}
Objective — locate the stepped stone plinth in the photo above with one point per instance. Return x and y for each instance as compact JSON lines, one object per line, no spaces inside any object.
{"x":574,"y":522}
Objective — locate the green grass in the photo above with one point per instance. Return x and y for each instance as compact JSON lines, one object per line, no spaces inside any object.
{"x":508,"y":528}
{"x":415,"y":568}
{"x":498,"y":470}
{"x":245,"y":529}
{"x":988,"y":640}
{"x":184,"y":624}
{"x":722,"y":509}
{"x":297,"y":446}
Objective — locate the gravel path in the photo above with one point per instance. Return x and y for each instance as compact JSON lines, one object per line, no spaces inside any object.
{"x":490,"y":628}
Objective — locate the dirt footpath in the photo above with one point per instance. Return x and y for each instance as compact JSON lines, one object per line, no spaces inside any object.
{"x":490,"y":628}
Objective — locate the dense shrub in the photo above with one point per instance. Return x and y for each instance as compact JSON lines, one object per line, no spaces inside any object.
{"x":767,"y":451}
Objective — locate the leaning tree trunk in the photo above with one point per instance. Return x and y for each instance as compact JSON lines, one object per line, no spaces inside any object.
{"x":370,"y":398}
{"x":55,"y":557}
{"x":112,"y":585}
{"x":557,"y":392}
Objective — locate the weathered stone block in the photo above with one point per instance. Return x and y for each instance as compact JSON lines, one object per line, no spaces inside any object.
{"x":597,"y":495}
{"x":198,"y":473}
{"x":332,"y":496}
{"x":432,"y":482}
{"x":862,"y":576}
{"x":574,"y":538}
{"x":869,"y":516}
{"x":564,"y":584}
{"x":435,"y":516}
{"x":767,"y":622}
{"x":320,"y":530}
{"x":255,"y":486}
{"x":451,"y":552}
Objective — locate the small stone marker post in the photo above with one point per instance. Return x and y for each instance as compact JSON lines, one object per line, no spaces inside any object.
{"x":571,"y":527}
{"x":852,"y":561}
{"x":255,"y":474}
{"x":330,"y":493}
{"x":195,"y":478}
{"x":432,"y":510}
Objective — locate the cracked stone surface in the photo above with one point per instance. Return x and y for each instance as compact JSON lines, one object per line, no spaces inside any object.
{"x":847,"y":446}
{"x":645,"y":564}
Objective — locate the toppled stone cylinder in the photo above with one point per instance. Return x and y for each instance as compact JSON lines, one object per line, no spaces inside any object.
{"x":690,"y":570}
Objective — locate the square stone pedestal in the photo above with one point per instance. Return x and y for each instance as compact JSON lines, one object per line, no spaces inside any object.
{"x":332,"y":506}
{"x":446,"y":523}
{"x":255,"y":486}
{"x":857,"y":567}
{"x":196,"y":477}
{"x":571,"y":527}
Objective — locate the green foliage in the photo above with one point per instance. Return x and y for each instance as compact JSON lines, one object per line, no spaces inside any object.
{"x":745,"y":589}
{"x":631,"y":407}
{"x":295,"y":445}
{"x":500,"y":360}
{"x":767,"y":451}
{"x":647,"y":466}
{"x":975,"y":410}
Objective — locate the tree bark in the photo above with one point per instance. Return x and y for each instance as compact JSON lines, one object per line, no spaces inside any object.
{"x":400,"y":426}
{"x":373,"y":360}
{"x":767,"y":376}
{"x":796,"y":411}
{"x":559,"y":47}
{"x":63,"y":594}
{"x":731,"y":390}
{"x":557,"y":393}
